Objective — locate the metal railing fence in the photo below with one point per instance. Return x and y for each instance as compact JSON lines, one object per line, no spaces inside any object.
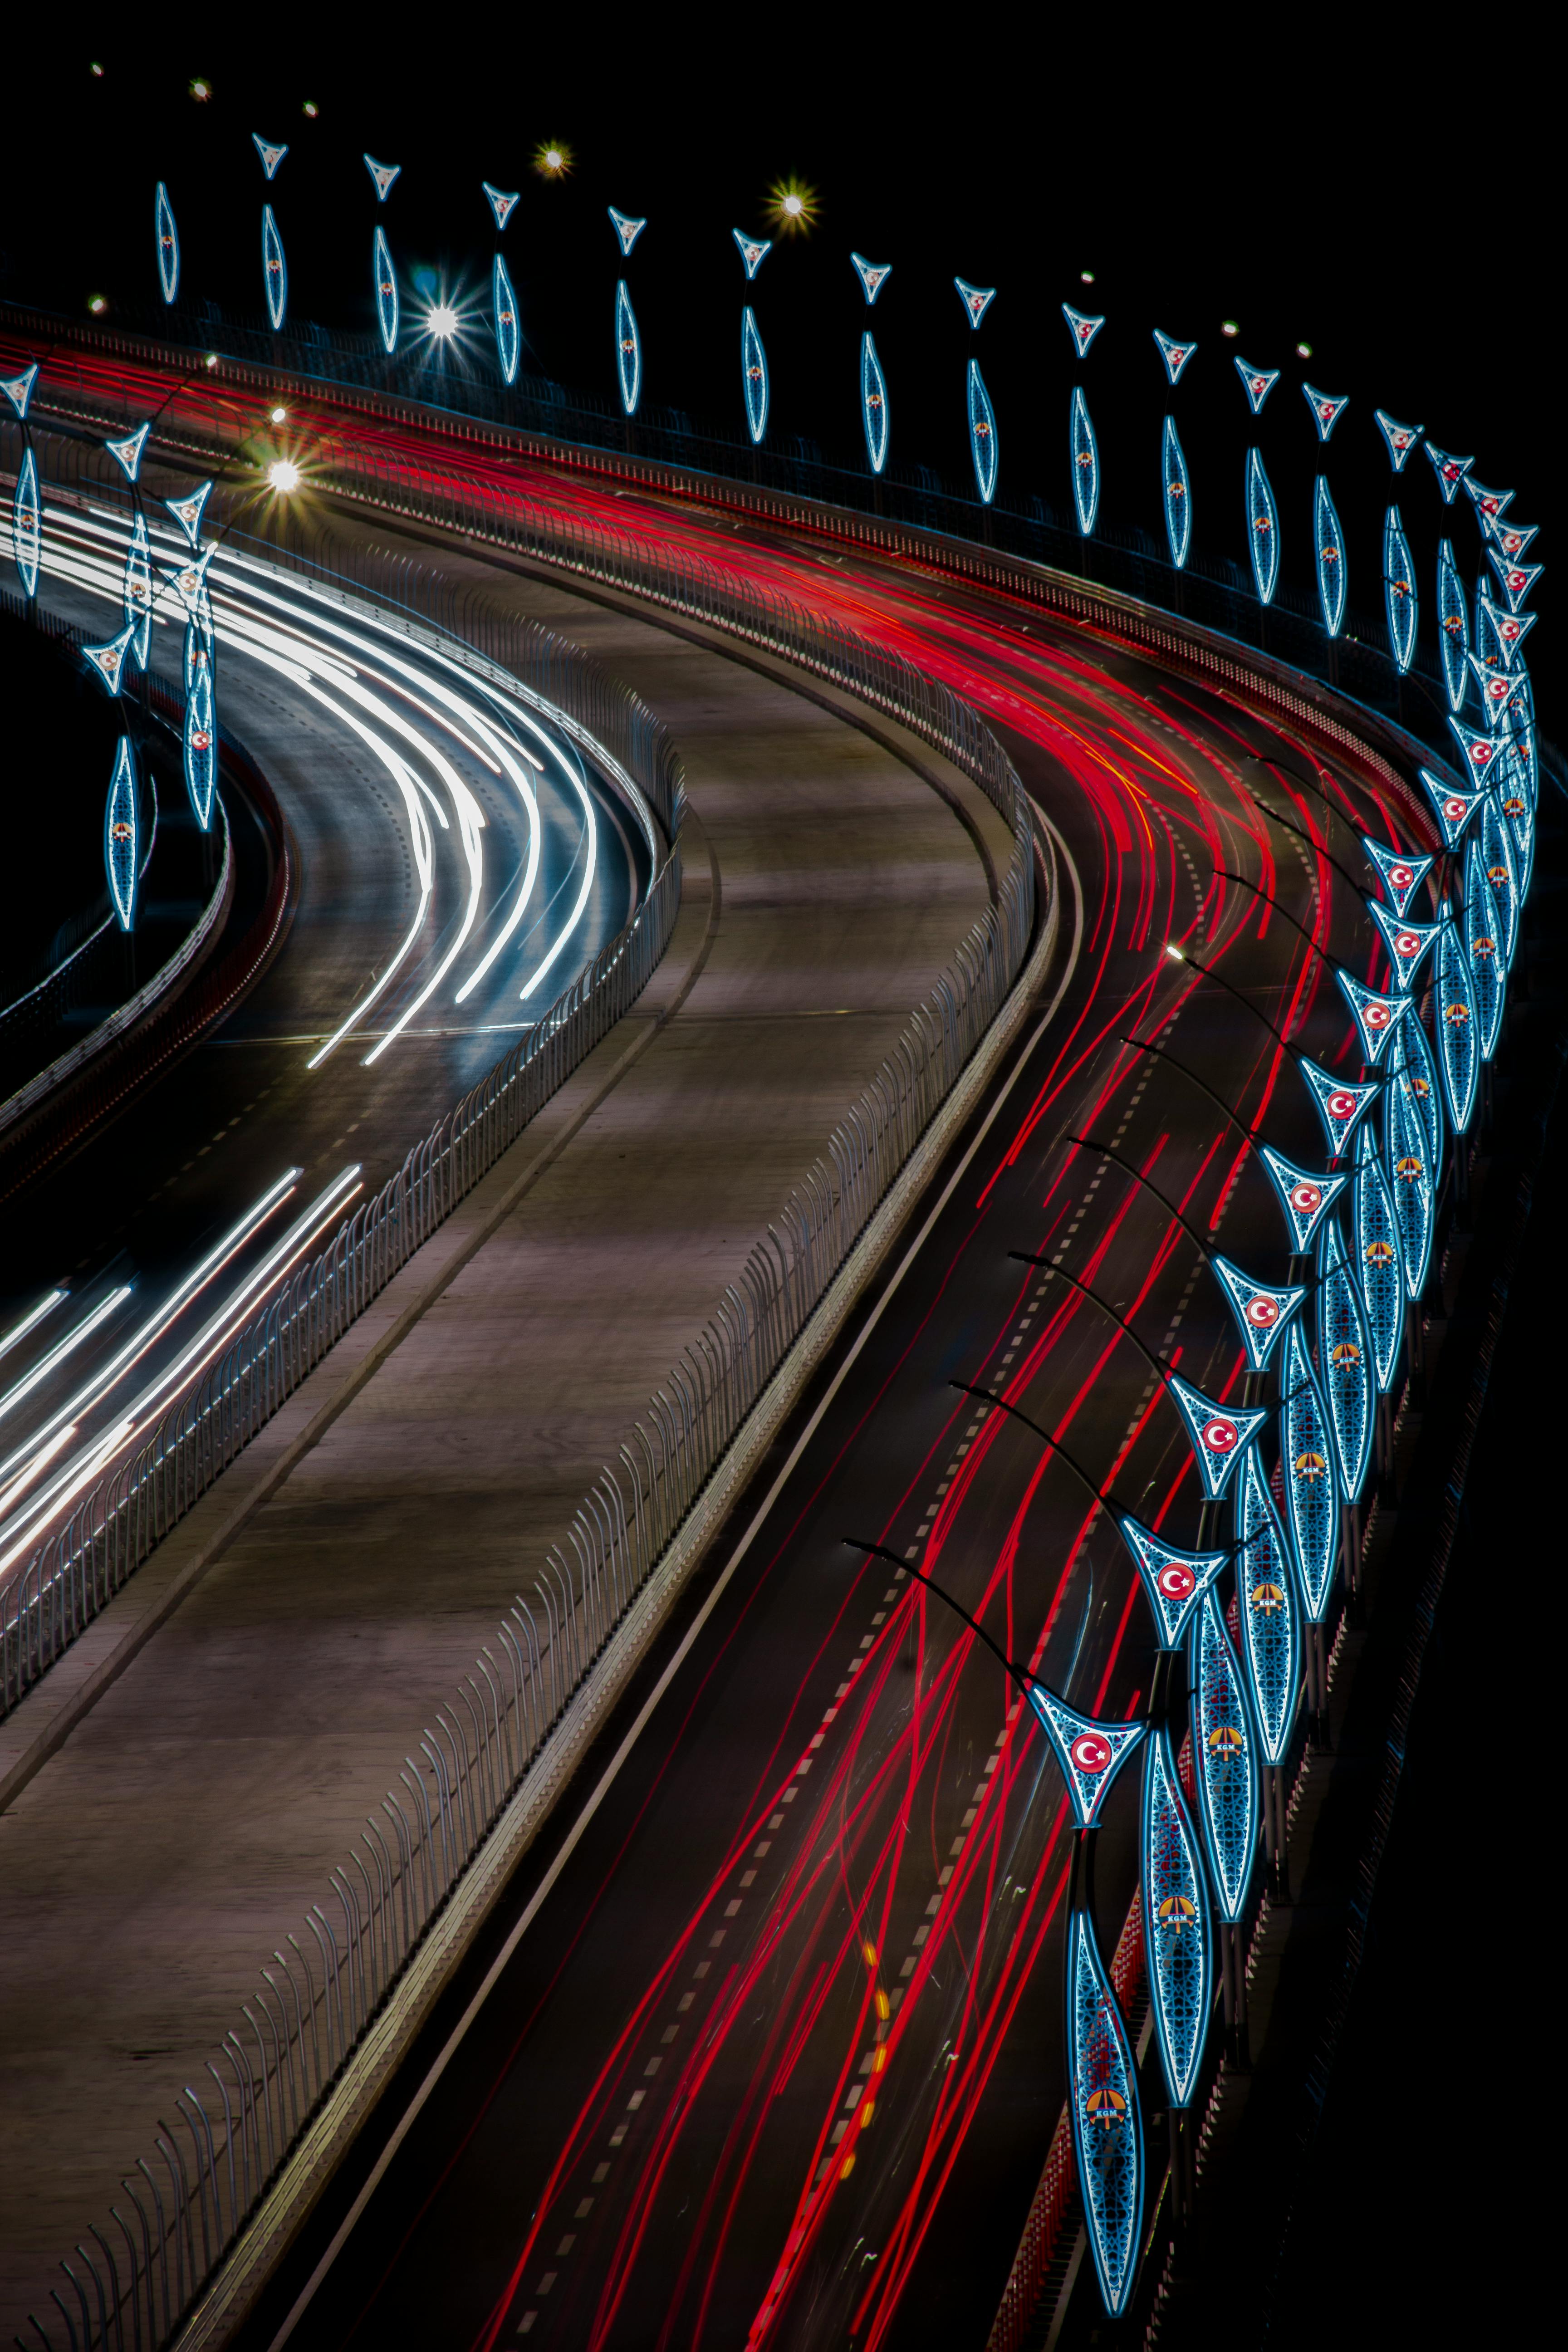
{"x":208,"y":2168}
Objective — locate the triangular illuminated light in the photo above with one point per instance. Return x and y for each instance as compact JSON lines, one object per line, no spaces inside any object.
{"x":753,"y":251}
{"x":19,"y":389}
{"x":128,"y":452}
{"x":1090,"y":1753}
{"x":873,"y":275}
{"x":1220,"y":1434}
{"x":1081,"y":328}
{"x":976,"y":299}
{"x":500,"y":205}
{"x":1401,"y":438}
{"x":270,"y":152}
{"x":1174,"y":1580}
{"x":383,"y":175}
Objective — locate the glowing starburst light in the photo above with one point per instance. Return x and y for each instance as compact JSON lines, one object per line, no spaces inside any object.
{"x":441,"y":322}
{"x":284,"y":475}
{"x":792,"y":207}
{"x":553,"y":159}
{"x":279,"y":414}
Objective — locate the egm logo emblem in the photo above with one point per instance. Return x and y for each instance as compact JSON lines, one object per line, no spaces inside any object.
{"x":1227,"y":1739}
{"x":1267,"y":1599}
{"x":1309,"y":1465}
{"x":1408,"y":1169}
{"x":1456,"y":1014}
{"x":1380,"y":1253}
{"x":1344,"y":1351}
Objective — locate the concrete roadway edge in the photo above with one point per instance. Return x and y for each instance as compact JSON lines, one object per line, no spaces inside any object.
{"x":372,"y":2067}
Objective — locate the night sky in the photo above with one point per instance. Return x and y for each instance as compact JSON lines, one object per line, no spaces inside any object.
{"x":1332,"y":198}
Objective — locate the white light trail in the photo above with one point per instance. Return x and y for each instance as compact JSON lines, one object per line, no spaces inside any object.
{"x":30,"y":1322}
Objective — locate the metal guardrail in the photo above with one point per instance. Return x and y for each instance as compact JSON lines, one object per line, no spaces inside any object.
{"x":295,"y":2033}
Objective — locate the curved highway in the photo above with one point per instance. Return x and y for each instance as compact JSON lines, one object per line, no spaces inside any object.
{"x":458,"y":865}
{"x":765,"y":2045}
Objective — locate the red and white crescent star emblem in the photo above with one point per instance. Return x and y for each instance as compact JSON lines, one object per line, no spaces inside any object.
{"x":1089,"y":1752}
{"x":1377,"y":1015}
{"x":1453,"y":810}
{"x":1174,"y":1580}
{"x":1263,"y":1312}
{"x":1406,"y":942}
{"x":1306,"y":1198}
{"x":1220,"y":1436}
{"x":1342,"y":1105}
{"x":1401,"y":877}
{"x":1480,"y":754}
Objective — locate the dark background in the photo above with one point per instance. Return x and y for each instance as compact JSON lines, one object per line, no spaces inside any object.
{"x":1384,"y":193}
{"x":1352,"y":193}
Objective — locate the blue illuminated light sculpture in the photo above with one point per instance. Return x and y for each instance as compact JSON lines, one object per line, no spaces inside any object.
{"x":1173,"y":1580}
{"x":1490,"y":505}
{"x":1262,"y":1314}
{"x":1219,"y":1433}
{"x":1488,"y":988}
{"x":1400,"y":601}
{"x":1175,"y":355}
{"x":1479,"y":750}
{"x":628,"y":350}
{"x":1178,"y":1940}
{"x":127,"y":454}
{"x":187,"y":512}
{"x":382,"y":176}
{"x":976,"y":299}
{"x":503,"y":302}
{"x":1400,"y":871}
{"x":1410,"y":1170}
{"x":1329,"y":551}
{"x":138,"y":591}
{"x":1305,"y":1198}
{"x":873,"y":275}
{"x":270,"y":152}
{"x":200,"y":746}
{"x":627,"y":229}
{"x":1177,"y":487}
{"x":1453,"y":625}
{"x":1458,"y":1027}
{"x":983,"y":446}
{"x":108,"y":662}
{"x":1497,"y":853}
{"x":121,"y":830}
{"x":753,"y":251}
{"x":1418,"y":1077}
{"x":1401,"y":439}
{"x":1226,"y":1758}
{"x":1450,"y":471}
{"x":753,"y":376}
{"x":1345,"y":1362}
{"x":1089,"y":1752}
{"x":1379,"y":1274}
{"x":1327,"y":410}
{"x":1508,"y":629}
{"x":274,"y":269}
{"x":26,"y":525}
{"x":1107,"y":2127}
{"x":500,"y":203}
{"x":1501,"y":690}
{"x":1081,"y":328}
{"x":1311,"y":1493}
{"x":385,"y":279}
{"x":1266,"y":1606}
{"x":19,"y":389}
{"x":1512,"y":539}
{"x":1515,"y":580}
{"x":167,"y":240}
{"x":1257,"y":383}
{"x":873,"y":404}
{"x":1340,"y":1103}
{"x":1377,"y":1016}
{"x":1407,"y":943}
{"x":1452,"y":804}
{"x":1085,"y":452}
{"x":1262,"y":528}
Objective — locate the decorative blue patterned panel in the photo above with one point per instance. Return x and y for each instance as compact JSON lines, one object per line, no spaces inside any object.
{"x":385,"y":279}
{"x":1401,"y":439}
{"x":1450,"y":471}
{"x":1173,"y":1580}
{"x":754,"y":374}
{"x":1453,"y":805}
{"x":628,"y":351}
{"x":19,"y":389}
{"x":628,"y":230}
{"x":1400,"y":871}
{"x":1327,"y":408}
{"x":1225,"y":1752}
{"x":1340,"y":1105}
{"x":1107,"y":2128}
{"x":509,"y":334}
{"x":1344,"y":1363}
{"x":1312,"y":1484}
{"x":122,"y":836}
{"x":1497,"y":850}
{"x":1262,"y":1314}
{"x":200,"y":733}
{"x":1085,"y":451}
{"x":1174,"y":354}
{"x":1177,"y":491}
{"x":1258,"y":382}
{"x":187,"y":512}
{"x":274,"y":269}
{"x":753,"y":251}
{"x":1305,"y":1198}
{"x":108,"y":662}
{"x":26,"y":524}
{"x":976,"y":299}
{"x":1081,"y":328}
{"x":1458,"y":1026}
{"x":1178,"y":1936}
{"x":873,"y":275}
{"x":1329,"y":553}
{"x":1407,"y":943}
{"x":874,"y":414}
{"x":500,"y":203}
{"x":1453,"y":626}
{"x":1515,"y":580}
{"x":982,"y":434}
{"x":1489,"y":979}
{"x":138,"y":591}
{"x":1219,"y":1433}
{"x":1379,"y":1272}
{"x":168,"y":244}
{"x":1410,"y":1170}
{"x":1400,"y":601}
{"x":1265,"y":1604}
{"x":1377,"y":1016}
{"x":1262,"y":528}
{"x":1090,"y":1753}
{"x":127,"y":454}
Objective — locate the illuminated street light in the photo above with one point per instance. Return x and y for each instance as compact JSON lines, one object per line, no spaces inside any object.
{"x":283,"y":475}
{"x":792,"y":207}
{"x":441,"y":320}
{"x":553,"y":159}
{"x":279,"y":414}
